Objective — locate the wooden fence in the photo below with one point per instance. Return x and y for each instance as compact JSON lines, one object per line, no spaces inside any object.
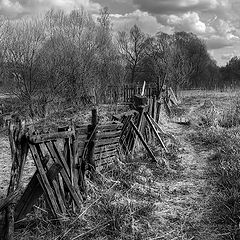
{"x":62,"y":158}
{"x":126,"y":93}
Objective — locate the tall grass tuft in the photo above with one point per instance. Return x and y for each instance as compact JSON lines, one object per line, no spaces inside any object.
{"x":230,"y":117}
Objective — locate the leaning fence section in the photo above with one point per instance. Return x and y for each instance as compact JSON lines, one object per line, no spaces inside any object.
{"x":65,"y":156}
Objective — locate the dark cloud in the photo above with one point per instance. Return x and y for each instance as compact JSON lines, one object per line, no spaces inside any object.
{"x":173,"y":6}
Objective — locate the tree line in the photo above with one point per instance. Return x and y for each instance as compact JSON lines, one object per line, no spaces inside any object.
{"x":70,"y":58}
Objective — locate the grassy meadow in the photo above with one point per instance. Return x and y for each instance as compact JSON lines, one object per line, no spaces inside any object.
{"x":196,"y":197}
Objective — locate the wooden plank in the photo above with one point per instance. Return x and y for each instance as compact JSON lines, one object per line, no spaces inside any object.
{"x":72,"y":166}
{"x":157,"y":126}
{"x":155,"y":132}
{"x":103,"y":135}
{"x":33,"y":191}
{"x":143,"y":141}
{"x":108,"y":141}
{"x":168,"y":109}
{"x":125,"y":132}
{"x":128,"y":113}
{"x":61,"y":188}
{"x":129,"y":136}
{"x":143,"y":89}
{"x":130,"y":139}
{"x":79,"y":181}
{"x":80,"y":147}
{"x":19,"y":151}
{"x":91,"y":145}
{"x":82,"y":130}
{"x":66,"y":178}
{"x":139,"y":124}
{"x":106,"y":154}
{"x":50,"y":136}
{"x":125,"y":124}
{"x":53,"y":181}
{"x":158,"y":112}
{"x":44,"y":182}
{"x":80,"y":136}
{"x":154,"y":107}
{"x":9,"y":199}
{"x":60,"y":199}
{"x":81,"y":127}
{"x":150,"y":106}
{"x":175,"y":100}
{"x":79,"y":159}
{"x":106,"y":148}
{"x":110,"y":127}
{"x":57,"y":156}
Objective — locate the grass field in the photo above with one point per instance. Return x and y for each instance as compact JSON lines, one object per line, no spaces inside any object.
{"x":197,"y":197}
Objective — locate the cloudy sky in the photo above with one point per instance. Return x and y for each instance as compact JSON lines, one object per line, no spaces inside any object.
{"x":216,"y":21}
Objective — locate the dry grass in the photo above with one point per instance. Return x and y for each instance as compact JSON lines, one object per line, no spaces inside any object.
{"x":124,"y":202}
{"x":222,"y":135}
{"x":135,"y":199}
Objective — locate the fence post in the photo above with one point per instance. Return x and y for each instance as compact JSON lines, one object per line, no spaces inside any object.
{"x":91,"y":136}
{"x":19,"y":150}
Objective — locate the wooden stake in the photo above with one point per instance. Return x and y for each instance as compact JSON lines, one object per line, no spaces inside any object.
{"x":55,"y":154}
{"x":92,"y":135}
{"x":155,"y":132}
{"x":174,"y":97}
{"x":43,"y":180}
{"x":9,"y":199}
{"x":143,"y":141}
{"x":139,"y":125}
{"x":157,"y":126}
{"x":143,"y":88}
{"x":19,"y":150}
{"x":33,"y":192}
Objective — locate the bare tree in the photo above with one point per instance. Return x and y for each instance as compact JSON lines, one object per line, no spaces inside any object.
{"x":181,"y":68}
{"x":170,"y":61}
{"x":160,"y":52}
{"x":109,"y":62}
{"x":74,"y":37}
{"x":132,"y":47}
{"x":24,"y":39}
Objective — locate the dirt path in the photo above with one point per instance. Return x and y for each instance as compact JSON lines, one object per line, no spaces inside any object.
{"x":185,"y":198}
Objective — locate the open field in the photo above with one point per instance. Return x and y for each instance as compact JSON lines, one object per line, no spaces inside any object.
{"x":136,"y":199}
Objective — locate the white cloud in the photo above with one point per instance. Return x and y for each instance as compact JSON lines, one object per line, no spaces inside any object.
{"x":15,"y":8}
{"x":145,"y":21}
{"x":189,"y":22}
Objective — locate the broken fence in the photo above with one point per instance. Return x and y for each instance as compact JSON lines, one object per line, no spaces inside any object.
{"x":63,"y":157}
